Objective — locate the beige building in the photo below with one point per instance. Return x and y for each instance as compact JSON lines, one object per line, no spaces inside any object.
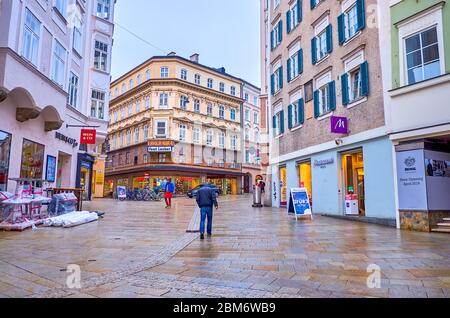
{"x":174,"y":117}
{"x":328,"y":131}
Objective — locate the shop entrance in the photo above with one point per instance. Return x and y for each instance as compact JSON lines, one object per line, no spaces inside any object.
{"x":305,"y":177}
{"x":247,"y":181}
{"x":283,"y":187}
{"x":63,"y":173}
{"x":354,"y":182}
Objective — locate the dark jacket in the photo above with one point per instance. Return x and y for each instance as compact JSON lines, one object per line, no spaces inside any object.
{"x":206,"y":198}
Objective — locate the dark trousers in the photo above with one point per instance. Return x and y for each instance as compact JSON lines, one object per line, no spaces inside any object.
{"x":206,"y":212}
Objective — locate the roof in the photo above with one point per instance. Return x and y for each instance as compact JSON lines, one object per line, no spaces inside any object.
{"x":177,"y":57}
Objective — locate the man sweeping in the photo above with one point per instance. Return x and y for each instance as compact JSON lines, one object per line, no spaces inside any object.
{"x":206,"y":200}
{"x":169,"y":189}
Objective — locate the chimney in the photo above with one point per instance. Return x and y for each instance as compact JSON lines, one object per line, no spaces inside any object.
{"x":195,"y":57}
{"x":221,"y":70}
{"x":172,"y":54}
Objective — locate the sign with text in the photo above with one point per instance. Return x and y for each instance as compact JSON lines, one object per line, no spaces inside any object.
{"x":412,"y":190}
{"x":299,"y":202}
{"x":161,"y":143}
{"x":339,"y":125}
{"x":88,"y":136}
{"x":160,"y":149}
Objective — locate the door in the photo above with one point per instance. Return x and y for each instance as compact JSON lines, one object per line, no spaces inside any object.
{"x":247,"y":184}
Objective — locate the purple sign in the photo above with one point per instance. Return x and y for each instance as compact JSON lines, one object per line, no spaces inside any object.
{"x":339,"y":125}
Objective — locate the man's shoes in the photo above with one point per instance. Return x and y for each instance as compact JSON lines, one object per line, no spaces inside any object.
{"x":202,"y":236}
{"x":209,"y":234}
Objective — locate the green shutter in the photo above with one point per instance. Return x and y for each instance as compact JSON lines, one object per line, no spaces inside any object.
{"x":290,"y":124}
{"x":280,"y":70}
{"x":316,"y":104}
{"x":344,"y":88}
{"x":364,"y":71}
{"x":272,"y":42}
{"x":280,"y":31}
{"x":282,"y":122}
{"x":289,"y":70}
{"x":274,"y":122}
{"x":300,"y":61}
{"x":332,"y":96}
{"x":313,"y":4}
{"x":329,"y":32}
{"x":314,"y":50}
{"x":288,"y":21}
{"x":272,"y":84}
{"x":301,"y":110}
{"x":360,"y":8}
{"x":299,"y":11}
{"x":341,"y":29}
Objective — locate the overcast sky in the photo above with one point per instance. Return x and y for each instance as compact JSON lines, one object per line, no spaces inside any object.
{"x":224,"y":33}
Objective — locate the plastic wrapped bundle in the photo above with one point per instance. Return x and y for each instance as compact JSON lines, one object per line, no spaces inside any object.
{"x":62,"y":204}
{"x":71,"y":219}
{"x":5,"y":210}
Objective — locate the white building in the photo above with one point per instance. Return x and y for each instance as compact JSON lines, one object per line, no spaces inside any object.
{"x":55,"y":60}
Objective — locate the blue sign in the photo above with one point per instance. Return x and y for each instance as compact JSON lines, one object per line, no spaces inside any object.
{"x":50,"y":174}
{"x":299,"y":202}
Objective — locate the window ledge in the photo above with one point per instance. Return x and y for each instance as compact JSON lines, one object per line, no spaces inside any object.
{"x":294,"y":79}
{"x":322,"y":60}
{"x":420,"y":85}
{"x":296,"y":128}
{"x":357,"y":102}
{"x":279,"y":136}
{"x":348,"y":41}
{"x":325,"y":116}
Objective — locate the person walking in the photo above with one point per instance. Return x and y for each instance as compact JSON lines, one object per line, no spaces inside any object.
{"x":169,"y":189}
{"x":206,"y":200}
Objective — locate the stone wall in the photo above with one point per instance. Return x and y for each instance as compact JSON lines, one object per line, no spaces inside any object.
{"x":422,"y":221}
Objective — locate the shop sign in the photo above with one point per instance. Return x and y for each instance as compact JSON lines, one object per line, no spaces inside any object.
{"x":412,"y":190}
{"x":339,"y":125}
{"x":299,"y":202}
{"x":70,"y":141}
{"x":160,"y":149}
{"x":88,"y":137}
{"x":323,"y":163}
{"x":50,"y":171}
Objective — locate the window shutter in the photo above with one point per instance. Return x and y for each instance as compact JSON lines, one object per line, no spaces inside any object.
{"x":290,"y":124}
{"x":288,"y":21}
{"x":300,"y":61}
{"x":272,"y":44}
{"x":280,"y":70}
{"x":282,"y":122}
{"x":299,"y":11}
{"x":274,"y":122}
{"x":314,"y":50}
{"x":289,"y":70}
{"x":316,"y":104}
{"x":272,"y":84}
{"x":280,"y":31}
{"x":329,"y":38}
{"x":341,"y":29}
{"x":344,"y":88}
{"x":332,"y":96}
{"x":313,"y":4}
{"x":301,"y":110}
{"x":361,"y":14}
{"x":364,"y":71}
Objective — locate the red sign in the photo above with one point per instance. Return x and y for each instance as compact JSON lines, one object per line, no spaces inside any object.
{"x":88,"y":136}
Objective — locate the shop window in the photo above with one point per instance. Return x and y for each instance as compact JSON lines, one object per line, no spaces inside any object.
{"x":5,"y":149}
{"x":283,"y":186}
{"x":304,"y":174}
{"x":354,"y":180}
{"x":32,"y":160}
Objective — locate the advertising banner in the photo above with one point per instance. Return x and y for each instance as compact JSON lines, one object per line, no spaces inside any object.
{"x":88,"y":136}
{"x":412,"y":192}
{"x":50,"y":172}
{"x":299,"y":202}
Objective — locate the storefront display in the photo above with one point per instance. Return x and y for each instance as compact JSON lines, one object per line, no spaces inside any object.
{"x":304,"y":171}
{"x":32,"y":160}
{"x":85,"y":174}
{"x":5,"y":149}
{"x":283,"y":186}
{"x":353,"y":177}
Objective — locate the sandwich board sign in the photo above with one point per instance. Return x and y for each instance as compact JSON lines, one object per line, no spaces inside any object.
{"x":299,"y":203}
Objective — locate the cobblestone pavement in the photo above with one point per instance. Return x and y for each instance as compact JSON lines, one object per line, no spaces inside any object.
{"x":143,"y":250}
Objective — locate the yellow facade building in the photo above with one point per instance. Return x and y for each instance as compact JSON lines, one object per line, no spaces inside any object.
{"x":172,"y":117}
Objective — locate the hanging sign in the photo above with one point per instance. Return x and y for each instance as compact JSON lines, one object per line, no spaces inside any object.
{"x":88,"y":136}
{"x":299,"y":203}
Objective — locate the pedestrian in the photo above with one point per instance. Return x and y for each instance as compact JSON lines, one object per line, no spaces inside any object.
{"x":262,"y":186}
{"x":206,"y":200}
{"x":169,"y":189}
